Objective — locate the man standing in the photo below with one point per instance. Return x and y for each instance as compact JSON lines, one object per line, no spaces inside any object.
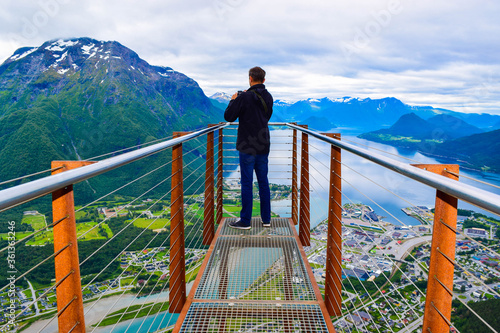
{"x":254,"y":108}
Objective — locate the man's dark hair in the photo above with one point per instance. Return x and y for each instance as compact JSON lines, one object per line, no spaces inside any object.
{"x":257,"y":74}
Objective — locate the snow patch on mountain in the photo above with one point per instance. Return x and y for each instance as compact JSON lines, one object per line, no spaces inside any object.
{"x":62,"y":57}
{"x":282,"y":102}
{"x":16,"y":57}
{"x":87,"y":48}
{"x":61,"y":45}
{"x":345,"y":99}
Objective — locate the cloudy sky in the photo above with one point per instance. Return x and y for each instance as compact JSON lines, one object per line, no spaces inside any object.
{"x":427,"y":52}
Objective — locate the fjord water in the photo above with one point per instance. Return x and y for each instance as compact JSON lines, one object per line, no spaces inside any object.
{"x":360,"y":179}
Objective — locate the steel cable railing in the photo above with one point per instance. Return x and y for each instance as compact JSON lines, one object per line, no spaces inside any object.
{"x":130,"y":243}
{"x":147,"y":245}
{"x":322,"y":199}
{"x":314,"y":207}
{"x":196,"y":245}
{"x":187,"y":236}
{"x":159,"y":183}
{"x":190,"y":245}
{"x":473,"y":195}
{"x":188,"y":267}
{"x":29,"y":176}
{"x":45,"y":260}
{"x":387,"y":279}
{"x":401,"y":222}
{"x":162,"y":243}
{"x":157,"y":148}
{"x":371,"y":258}
{"x":318,"y":172}
{"x":456,"y":264}
{"x":12,"y":197}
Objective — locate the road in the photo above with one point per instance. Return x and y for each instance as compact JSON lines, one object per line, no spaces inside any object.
{"x":33,"y":294}
{"x":400,"y":250}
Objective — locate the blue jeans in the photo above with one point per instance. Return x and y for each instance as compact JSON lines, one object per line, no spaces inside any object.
{"x":259,"y":163}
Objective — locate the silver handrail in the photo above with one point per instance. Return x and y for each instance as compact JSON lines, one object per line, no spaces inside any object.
{"x":476,"y":196}
{"x":17,"y":195}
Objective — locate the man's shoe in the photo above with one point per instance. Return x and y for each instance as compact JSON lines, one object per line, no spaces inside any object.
{"x":238,"y":224}
{"x":266,"y":224}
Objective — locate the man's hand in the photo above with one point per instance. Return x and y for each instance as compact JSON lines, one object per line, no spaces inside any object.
{"x":234,"y":96}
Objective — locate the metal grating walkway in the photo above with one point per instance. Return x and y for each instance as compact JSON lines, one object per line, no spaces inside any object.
{"x":255,"y":280}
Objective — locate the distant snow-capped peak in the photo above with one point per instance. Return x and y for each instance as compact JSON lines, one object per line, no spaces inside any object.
{"x":282,"y":102}
{"x":221,"y":97}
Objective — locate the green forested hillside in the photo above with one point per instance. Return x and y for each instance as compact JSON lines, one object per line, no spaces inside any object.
{"x":465,"y":321}
{"x":445,"y":137}
{"x":479,"y":150}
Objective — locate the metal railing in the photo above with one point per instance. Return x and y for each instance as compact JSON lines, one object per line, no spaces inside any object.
{"x":17,"y":195}
{"x":443,"y":178}
{"x":483,"y":199}
{"x":68,"y":285}
{"x":55,"y":183}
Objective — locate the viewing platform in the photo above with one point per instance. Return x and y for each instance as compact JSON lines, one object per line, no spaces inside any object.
{"x":256,"y":280}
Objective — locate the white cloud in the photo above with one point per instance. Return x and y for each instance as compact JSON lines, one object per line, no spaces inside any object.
{"x":438,"y":53}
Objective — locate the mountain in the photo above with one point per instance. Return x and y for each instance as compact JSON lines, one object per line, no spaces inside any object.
{"x":453,"y":127}
{"x":78,"y":98}
{"x":301,"y":110}
{"x":363,"y":114}
{"x":280,"y":113}
{"x":485,"y":121}
{"x":368,"y":114}
{"x":221,"y":97}
{"x":409,"y":125}
{"x":410,"y":130}
{"x":372,"y":114}
{"x":319,"y":123}
{"x":220,"y":100}
{"x":444,"y":137}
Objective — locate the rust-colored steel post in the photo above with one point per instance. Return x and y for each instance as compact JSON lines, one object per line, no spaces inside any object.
{"x":220,"y":191}
{"x":177,"y":293}
{"x":437,"y":311}
{"x":305,"y":217}
{"x":208,"y":209}
{"x":67,"y":265}
{"x":333,"y":281}
{"x":295,"y":191}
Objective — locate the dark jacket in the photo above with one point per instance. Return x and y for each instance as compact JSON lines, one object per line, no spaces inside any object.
{"x":253,"y":132}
